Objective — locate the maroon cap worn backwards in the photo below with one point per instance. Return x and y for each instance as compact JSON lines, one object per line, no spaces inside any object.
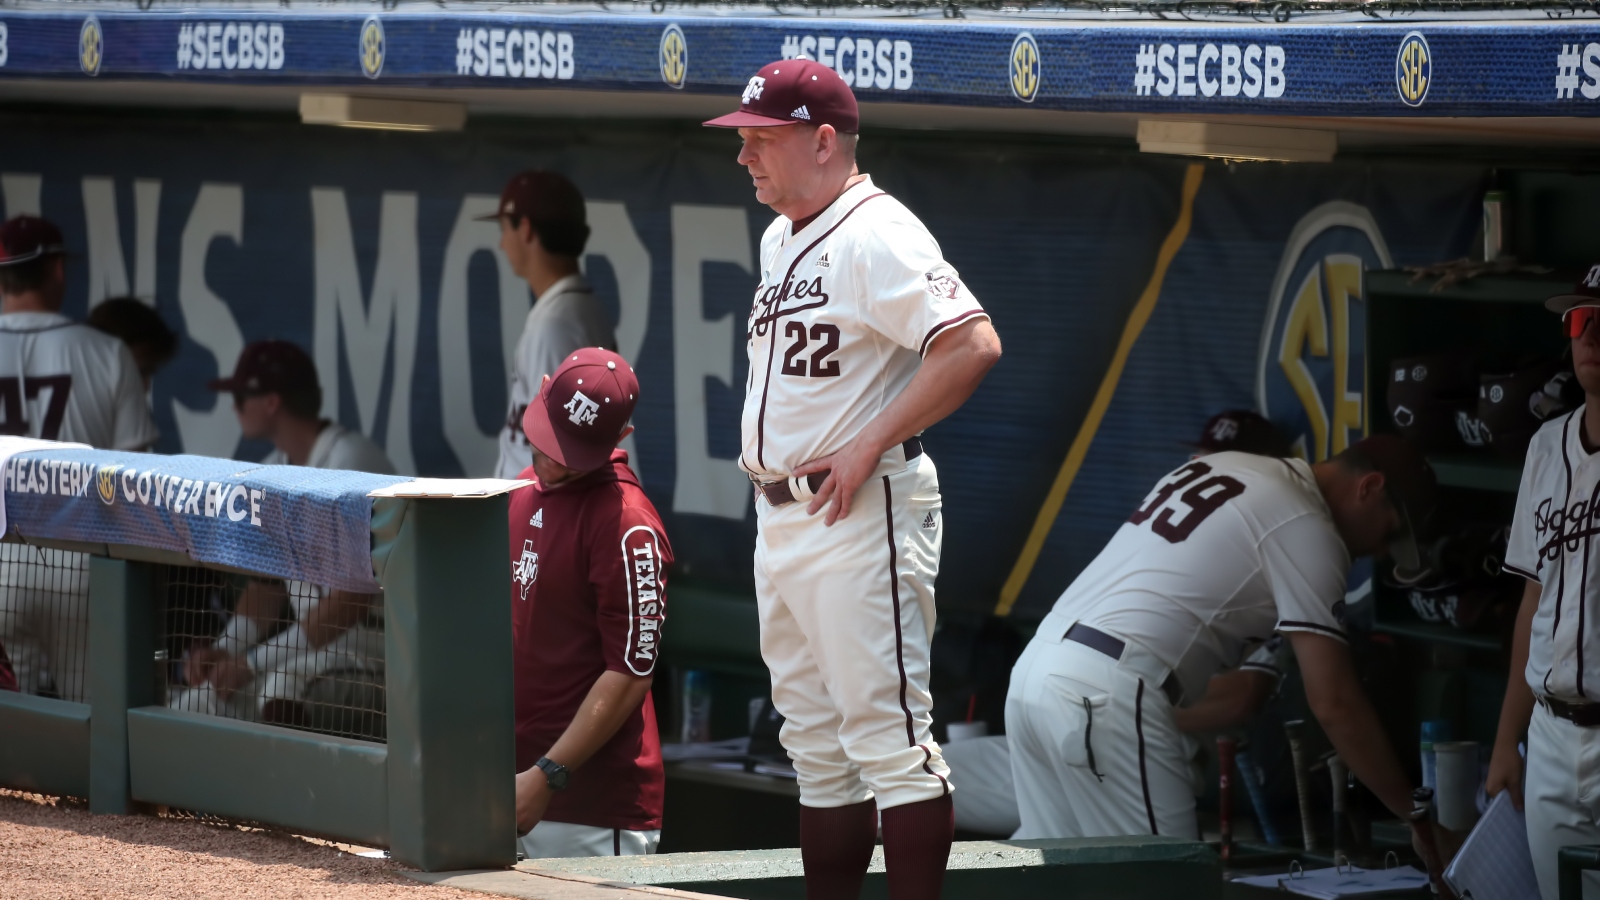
{"x":791,"y":91}
{"x":269,"y":367}
{"x":581,"y":411}
{"x":27,"y":238}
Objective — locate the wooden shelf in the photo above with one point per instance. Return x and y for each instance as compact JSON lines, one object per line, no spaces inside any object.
{"x":1484,"y":288}
{"x":1483,"y":474}
{"x":1439,"y":634}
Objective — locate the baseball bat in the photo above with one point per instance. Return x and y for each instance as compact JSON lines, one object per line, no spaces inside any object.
{"x":1255,"y":786}
{"x":1340,"y":777}
{"x":1302,"y":780}
{"x":1227,"y":747}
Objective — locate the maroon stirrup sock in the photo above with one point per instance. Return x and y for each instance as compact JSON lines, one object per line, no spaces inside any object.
{"x":916,"y":847}
{"x":836,"y":847}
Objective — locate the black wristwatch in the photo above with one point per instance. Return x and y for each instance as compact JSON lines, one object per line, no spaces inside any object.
{"x":555,"y":774}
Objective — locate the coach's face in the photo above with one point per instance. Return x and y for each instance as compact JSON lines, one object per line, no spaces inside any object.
{"x":787,"y":164}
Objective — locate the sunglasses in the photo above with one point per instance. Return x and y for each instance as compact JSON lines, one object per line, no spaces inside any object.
{"x":1575,"y":321}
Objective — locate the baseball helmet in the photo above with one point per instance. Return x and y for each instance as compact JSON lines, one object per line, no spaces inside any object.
{"x":1433,"y":401}
{"x":1514,"y":405}
{"x":1462,"y":584}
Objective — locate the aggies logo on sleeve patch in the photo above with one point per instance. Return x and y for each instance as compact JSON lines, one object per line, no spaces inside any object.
{"x":641,"y":560}
{"x":943,"y":285}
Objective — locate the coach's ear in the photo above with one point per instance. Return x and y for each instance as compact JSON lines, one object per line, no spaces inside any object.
{"x":624,"y":435}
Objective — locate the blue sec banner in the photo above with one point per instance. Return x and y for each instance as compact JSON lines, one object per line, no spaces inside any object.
{"x":363,"y":247}
{"x":1490,"y":67}
{"x":296,"y":523}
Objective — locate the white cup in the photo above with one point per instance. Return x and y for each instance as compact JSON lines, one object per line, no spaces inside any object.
{"x":1456,"y":798}
{"x":961,"y":731}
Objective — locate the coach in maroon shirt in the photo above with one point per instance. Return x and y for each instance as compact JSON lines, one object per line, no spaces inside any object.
{"x":589,"y":566}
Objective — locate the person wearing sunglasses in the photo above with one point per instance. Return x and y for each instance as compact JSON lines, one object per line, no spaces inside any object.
{"x":1549,"y":694}
{"x":1222,"y":553}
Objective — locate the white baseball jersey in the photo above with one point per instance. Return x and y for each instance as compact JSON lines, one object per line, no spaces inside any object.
{"x":1551,"y":535}
{"x":1223,"y":552}
{"x":337,"y":447}
{"x":846,"y":309}
{"x":64,"y":381}
{"x":567,"y":317}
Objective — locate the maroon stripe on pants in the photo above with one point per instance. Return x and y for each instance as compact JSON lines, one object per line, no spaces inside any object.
{"x":1144,"y":778}
{"x":899,"y":636}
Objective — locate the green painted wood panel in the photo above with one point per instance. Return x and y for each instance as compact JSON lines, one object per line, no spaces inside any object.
{"x":52,"y":757}
{"x":312,"y":783}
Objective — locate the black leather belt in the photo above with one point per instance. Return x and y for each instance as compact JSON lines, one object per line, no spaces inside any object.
{"x":778,"y":493}
{"x":1095,"y":639}
{"x":1583,"y":715}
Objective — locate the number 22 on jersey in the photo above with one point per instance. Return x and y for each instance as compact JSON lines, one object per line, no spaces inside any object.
{"x":1177,"y":518}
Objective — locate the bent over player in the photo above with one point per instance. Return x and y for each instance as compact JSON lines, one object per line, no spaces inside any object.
{"x":589,"y":562}
{"x":1550,"y":545}
{"x":860,"y":337}
{"x":1222,"y":553}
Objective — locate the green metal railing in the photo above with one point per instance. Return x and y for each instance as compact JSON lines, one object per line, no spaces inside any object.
{"x":438,"y":795}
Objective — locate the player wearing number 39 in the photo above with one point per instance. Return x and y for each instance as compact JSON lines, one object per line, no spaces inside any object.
{"x":860,"y":336}
{"x":1222,"y":553}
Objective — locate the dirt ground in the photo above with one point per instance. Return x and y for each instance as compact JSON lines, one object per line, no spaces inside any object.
{"x":57,"y":851}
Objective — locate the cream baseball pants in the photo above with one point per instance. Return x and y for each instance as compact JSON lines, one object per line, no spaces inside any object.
{"x":846,"y":618}
{"x":1095,"y":748}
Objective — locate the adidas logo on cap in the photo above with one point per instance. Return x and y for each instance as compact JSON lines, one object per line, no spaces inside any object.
{"x":801,"y":113}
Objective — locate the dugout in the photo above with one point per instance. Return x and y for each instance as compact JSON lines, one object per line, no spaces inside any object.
{"x":1137,"y":292}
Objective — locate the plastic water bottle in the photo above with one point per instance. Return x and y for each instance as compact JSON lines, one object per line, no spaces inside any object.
{"x":1433,"y":731}
{"x":696,"y":706}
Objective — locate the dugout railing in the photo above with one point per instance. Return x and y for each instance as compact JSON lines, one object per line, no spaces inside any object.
{"x":425,"y":770}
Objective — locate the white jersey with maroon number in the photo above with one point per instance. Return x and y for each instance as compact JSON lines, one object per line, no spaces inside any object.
{"x":64,"y":381}
{"x":1552,"y":542}
{"x":845,"y":312}
{"x":1223,"y":552}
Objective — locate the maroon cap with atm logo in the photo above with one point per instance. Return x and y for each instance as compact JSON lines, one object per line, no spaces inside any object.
{"x":582,"y":410}
{"x":794,"y":91}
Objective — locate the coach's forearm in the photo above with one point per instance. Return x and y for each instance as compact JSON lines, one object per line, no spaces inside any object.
{"x":1334,"y":694}
{"x":951,"y":371}
{"x":609,"y":703}
{"x":1232,"y":698}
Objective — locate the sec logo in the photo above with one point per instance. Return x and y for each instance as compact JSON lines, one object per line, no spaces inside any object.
{"x":106,"y":483}
{"x":372,"y":47}
{"x":1413,"y":69}
{"x":674,"y":56}
{"x":1311,"y":368}
{"x":91,"y":46}
{"x":1025,"y":68}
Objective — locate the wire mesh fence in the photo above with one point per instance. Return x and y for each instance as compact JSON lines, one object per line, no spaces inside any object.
{"x":44,"y":619}
{"x":282,"y":653}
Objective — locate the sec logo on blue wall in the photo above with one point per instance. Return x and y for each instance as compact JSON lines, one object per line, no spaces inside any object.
{"x":1311,"y":367}
{"x":1024,"y":68}
{"x":1413,"y":69}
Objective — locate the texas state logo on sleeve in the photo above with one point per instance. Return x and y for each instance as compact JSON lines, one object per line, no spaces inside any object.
{"x":641,"y":560}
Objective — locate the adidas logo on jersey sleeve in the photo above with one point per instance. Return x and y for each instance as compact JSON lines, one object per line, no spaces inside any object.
{"x":538,"y":519}
{"x":801,"y":113}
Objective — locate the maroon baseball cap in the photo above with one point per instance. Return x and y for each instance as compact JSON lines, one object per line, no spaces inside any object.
{"x":581,"y":411}
{"x":270,"y":367}
{"x":791,"y":91}
{"x":541,"y":197}
{"x":27,"y":238}
{"x":1242,"y":430}
{"x":1585,"y":293}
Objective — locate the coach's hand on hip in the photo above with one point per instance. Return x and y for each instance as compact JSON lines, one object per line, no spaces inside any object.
{"x":951,"y":370}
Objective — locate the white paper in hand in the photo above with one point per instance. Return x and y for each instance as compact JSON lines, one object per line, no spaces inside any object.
{"x":1494,"y":861}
